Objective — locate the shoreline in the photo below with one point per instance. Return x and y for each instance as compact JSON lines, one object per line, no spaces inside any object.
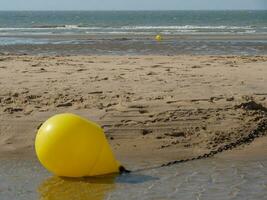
{"x":185,"y":44}
{"x":192,"y":36}
{"x":154,"y":109}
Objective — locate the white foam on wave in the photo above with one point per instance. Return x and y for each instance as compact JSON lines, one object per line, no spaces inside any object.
{"x":67,"y":27}
{"x":120,"y":33}
{"x":132,"y":30}
{"x":185,"y":27}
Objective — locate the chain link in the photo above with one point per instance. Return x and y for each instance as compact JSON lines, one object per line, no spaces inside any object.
{"x":259,"y":131}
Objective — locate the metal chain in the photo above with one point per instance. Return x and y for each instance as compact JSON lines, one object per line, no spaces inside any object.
{"x":259,"y":131}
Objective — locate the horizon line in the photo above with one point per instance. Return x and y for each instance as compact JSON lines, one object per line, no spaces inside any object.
{"x":144,"y":10}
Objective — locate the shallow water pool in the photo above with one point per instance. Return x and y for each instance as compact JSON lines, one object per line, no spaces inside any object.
{"x":202,"y":179}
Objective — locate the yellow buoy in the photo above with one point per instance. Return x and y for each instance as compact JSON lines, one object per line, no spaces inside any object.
{"x":71,"y":146}
{"x":158,"y":38}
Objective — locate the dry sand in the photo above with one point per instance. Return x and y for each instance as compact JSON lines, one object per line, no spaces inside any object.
{"x":153,"y":108}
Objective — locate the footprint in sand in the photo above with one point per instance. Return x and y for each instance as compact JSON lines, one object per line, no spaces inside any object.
{"x":80,"y":70}
{"x":196,"y":66}
{"x":42,"y":70}
{"x":12,"y":110}
{"x":151,"y":73}
{"x":66,"y":104}
{"x":143,"y":111}
{"x":146,"y":131}
{"x":35,"y":64}
{"x":155,"y":66}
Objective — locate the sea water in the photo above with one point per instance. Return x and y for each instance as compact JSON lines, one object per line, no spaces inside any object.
{"x":132,"y":22}
{"x":132,"y":32}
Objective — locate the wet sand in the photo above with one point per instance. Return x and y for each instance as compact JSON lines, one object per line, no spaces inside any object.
{"x":154,"y":109}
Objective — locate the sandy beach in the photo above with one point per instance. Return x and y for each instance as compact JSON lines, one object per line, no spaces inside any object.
{"x":178,"y":87}
{"x":154,"y":109}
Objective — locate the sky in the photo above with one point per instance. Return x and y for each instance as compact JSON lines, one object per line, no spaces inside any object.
{"x":133,"y":4}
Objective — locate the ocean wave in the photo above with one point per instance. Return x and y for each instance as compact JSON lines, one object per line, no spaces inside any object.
{"x":132,"y":30}
{"x":185,"y":27}
{"x":120,"y":33}
{"x":47,"y":27}
{"x":250,"y":31}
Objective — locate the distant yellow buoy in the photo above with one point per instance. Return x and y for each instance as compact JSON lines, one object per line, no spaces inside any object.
{"x":71,"y":146}
{"x":158,"y":37}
